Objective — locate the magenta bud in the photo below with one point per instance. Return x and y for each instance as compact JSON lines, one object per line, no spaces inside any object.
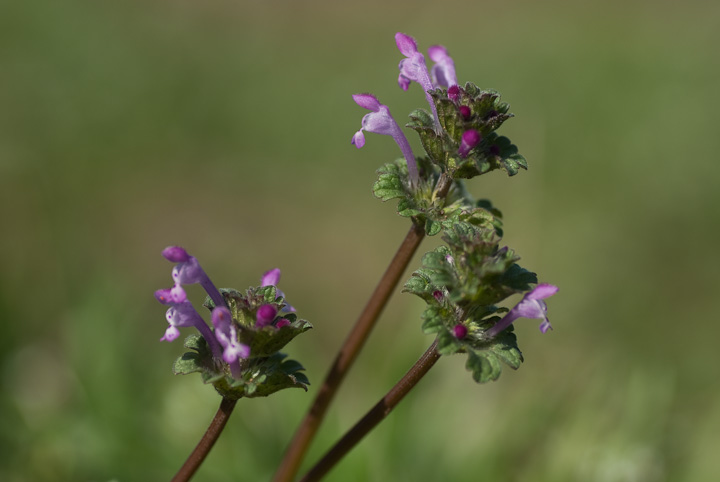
{"x":470,"y":139}
{"x":438,"y":295}
{"x":176,"y":254}
{"x":265,"y":315}
{"x":460,"y":331}
{"x":465,"y":112}
{"x":282,"y":322}
{"x":454,"y":93}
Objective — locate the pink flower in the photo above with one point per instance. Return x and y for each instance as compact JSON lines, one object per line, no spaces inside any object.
{"x":531,"y":306}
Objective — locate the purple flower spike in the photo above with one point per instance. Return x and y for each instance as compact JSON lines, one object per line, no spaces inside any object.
{"x":265,"y":315}
{"x":413,"y":69}
{"x":460,"y":331}
{"x":470,"y":139}
{"x":443,"y":72}
{"x":380,"y":121}
{"x":531,"y":306}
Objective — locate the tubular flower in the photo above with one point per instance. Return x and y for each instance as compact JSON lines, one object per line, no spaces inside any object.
{"x":470,"y":139}
{"x":531,"y":306}
{"x":443,"y":72}
{"x":380,"y":121}
{"x":188,"y":271}
{"x":413,"y":69}
{"x":183,"y":314}
{"x":226,"y":335}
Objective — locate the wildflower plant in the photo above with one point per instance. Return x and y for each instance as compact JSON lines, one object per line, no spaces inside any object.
{"x":464,"y":283}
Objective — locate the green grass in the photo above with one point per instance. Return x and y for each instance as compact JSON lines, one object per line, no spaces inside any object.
{"x":225,"y":127}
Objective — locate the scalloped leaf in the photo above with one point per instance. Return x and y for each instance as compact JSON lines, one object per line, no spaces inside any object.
{"x":484,"y":367}
{"x":389,"y":184}
{"x":189,"y":362}
{"x":268,"y":340}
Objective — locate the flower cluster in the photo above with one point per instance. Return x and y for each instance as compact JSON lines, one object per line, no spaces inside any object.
{"x":233,"y":344}
{"x":434,"y":82}
{"x":462,"y":284}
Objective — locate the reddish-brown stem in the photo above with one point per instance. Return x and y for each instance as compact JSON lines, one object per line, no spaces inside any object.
{"x":375,"y":415}
{"x":347,"y":355}
{"x":206,"y":442}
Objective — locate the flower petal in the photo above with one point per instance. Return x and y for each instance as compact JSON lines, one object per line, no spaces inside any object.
{"x":176,"y":254}
{"x":170,"y":334}
{"x":367,"y":101}
{"x":542,"y":291}
{"x":270,"y":277}
{"x":358,"y":140}
{"x":406,"y":44}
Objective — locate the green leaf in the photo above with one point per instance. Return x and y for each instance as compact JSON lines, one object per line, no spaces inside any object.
{"x":447,"y":344}
{"x":432,"y":227}
{"x":484,"y":367}
{"x":389,"y":185}
{"x":196,"y":342}
{"x":432,"y":322}
{"x":189,"y":362}
{"x":268,"y":340}
{"x":420,"y":119}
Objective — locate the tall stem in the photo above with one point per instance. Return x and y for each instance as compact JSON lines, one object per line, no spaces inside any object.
{"x":206,"y":442}
{"x":347,"y":355}
{"x":375,"y":415}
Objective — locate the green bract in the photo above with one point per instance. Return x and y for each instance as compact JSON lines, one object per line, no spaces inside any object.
{"x":426,"y":205}
{"x":265,"y":371}
{"x":260,"y":377}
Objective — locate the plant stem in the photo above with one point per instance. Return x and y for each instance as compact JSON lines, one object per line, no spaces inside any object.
{"x":347,"y":355}
{"x":375,"y":415}
{"x":206,"y":442}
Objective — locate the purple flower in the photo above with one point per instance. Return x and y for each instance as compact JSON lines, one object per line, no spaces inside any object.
{"x":470,"y":139}
{"x":379,"y":121}
{"x":226,"y":335}
{"x":188,"y":271}
{"x":531,"y":306}
{"x":282,"y":322}
{"x":265,"y":315}
{"x":413,"y":69}
{"x":184,"y":314}
{"x":454,"y":93}
{"x":460,"y":331}
{"x":443,"y":72}
{"x":272,"y":278}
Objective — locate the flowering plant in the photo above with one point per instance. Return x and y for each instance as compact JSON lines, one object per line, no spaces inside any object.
{"x":462,"y":282}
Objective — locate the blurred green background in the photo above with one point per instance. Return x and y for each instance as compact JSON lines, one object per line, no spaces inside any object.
{"x":225,"y":127}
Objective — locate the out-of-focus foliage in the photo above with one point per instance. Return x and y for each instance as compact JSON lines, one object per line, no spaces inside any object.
{"x":224,"y":126}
